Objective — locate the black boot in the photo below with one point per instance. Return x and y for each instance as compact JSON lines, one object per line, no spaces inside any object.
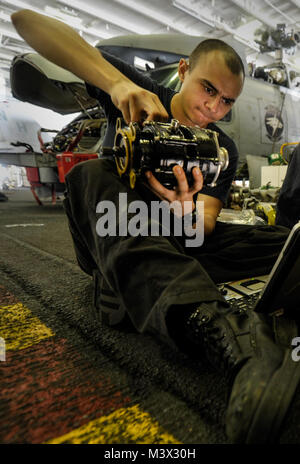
{"x":264,"y":377}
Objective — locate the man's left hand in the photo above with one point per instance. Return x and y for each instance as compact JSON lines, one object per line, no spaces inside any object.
{"x":182,"y":193}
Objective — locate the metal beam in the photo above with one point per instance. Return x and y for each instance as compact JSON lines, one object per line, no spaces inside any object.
{"x":30,"y":159}
{"x":20,"y":5}
{"x":296,"y":3}
{"x":216,"y":23}
{"x":280,"y":12}
{"x":105,"y":15}
{"x":6,"y":54}
{"x":189,"y":8}
{"x":98,"y":33}
{"x":253,"y":8}
{"x":157,"y":16}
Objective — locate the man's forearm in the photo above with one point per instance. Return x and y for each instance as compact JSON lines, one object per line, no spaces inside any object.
{"x":62,"y":45}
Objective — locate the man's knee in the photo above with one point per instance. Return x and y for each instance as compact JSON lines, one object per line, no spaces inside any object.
{"x":96,"y":171}
{"x":91,"y":181}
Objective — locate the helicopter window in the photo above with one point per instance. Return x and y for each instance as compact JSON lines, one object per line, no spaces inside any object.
{"x":166,"y":76}
{"x":173,"y":81}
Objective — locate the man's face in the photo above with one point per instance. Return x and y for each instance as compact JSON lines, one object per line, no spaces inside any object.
{"x":209,"y":91}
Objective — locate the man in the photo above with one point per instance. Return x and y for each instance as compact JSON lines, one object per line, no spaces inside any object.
{"x":163,"y":287}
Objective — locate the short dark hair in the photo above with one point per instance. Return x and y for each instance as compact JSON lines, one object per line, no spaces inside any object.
{"x":231,"y":57}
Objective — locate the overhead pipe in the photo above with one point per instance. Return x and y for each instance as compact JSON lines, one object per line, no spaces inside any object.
{"x":275,"y":8}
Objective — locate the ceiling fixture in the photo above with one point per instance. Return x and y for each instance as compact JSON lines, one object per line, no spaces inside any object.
{"x":64,"y":16}
{"x":108,"y":16}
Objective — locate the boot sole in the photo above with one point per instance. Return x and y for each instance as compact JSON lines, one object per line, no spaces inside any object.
{"x":280,"y":394}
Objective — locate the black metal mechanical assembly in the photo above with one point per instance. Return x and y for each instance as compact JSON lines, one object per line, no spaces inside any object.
{"x":158,"y":147}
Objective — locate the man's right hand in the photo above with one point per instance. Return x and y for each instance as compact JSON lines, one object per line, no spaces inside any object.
{"x":137,"y":104}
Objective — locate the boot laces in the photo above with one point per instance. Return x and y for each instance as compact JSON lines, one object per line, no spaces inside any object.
{"x":218,"y":347}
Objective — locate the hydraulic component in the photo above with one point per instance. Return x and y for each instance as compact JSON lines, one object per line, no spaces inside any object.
{"x":158,"y":147}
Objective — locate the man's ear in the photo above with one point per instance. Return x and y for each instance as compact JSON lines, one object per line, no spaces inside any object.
{"x":182,"y":69}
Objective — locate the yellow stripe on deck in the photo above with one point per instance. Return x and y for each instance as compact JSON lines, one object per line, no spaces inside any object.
{"x":123,"y":426}
{"x":20,"y":328}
